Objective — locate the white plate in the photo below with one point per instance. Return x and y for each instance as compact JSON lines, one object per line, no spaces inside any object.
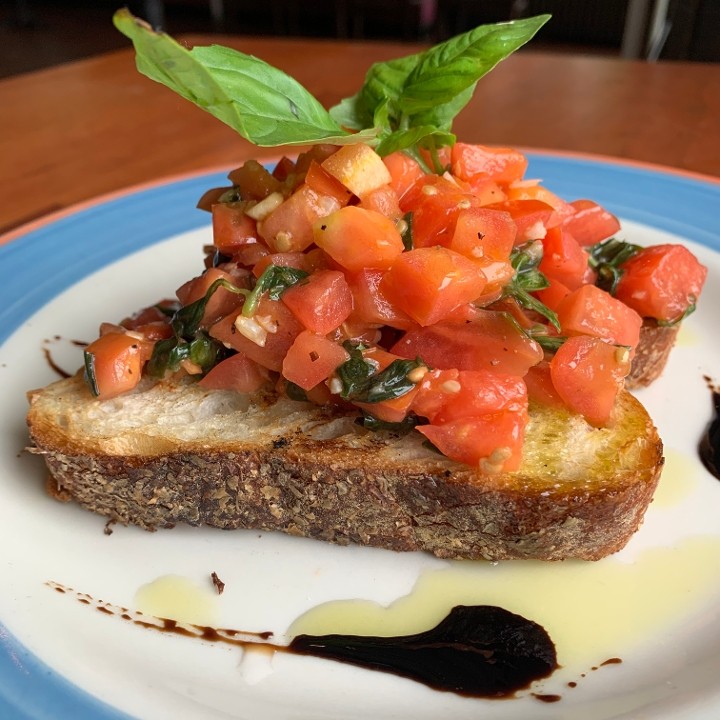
{"x":63,"y":658}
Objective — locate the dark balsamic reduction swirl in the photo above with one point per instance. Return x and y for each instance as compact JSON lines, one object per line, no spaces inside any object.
{"x":709,"y":447}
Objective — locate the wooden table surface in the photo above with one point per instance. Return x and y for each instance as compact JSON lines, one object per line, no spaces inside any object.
{"x":87,"y":128}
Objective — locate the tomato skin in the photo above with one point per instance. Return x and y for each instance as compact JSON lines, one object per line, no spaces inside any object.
{"x":404,"y":172}
{"x":590,"y":223}
{"x":322,"y":303}
{"x":357,"y":239}
{"x":371,"y":305}
{"x":491,"y":342}
{"x":254,"y":180}
{"x":323,"y":183}
{"x":563,"y":258}
{"x":271,"y":354}
{"x":587,"y":374}
{"x":238,"y":372}
{"x":492,"y":442}
{"x":312,"y":359}
{"x":532,"y":218}
{"x":429,"y":283}
{"x":232,"y":228}
{"x":483,"y":235}
{"x":592,"y":311}
{"x":661,"y":281}
{"x":289,"y":228}
{"x":503,"y":165}
{"x":117,"y":363}
{"x":446,"y":395}
{"x":222,"y":302}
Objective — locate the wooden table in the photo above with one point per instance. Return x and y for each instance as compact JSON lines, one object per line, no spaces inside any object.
{"x":94,"y":126}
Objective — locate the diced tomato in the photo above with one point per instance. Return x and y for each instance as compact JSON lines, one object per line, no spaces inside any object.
{"x":283,"y":169}
{"x":592,"y":311}
{"x":383,"y":200}
{"x":540,"y":386}
{"x":523,"y":191}
{"x":503,"y":165}
{"x":318,"y":153}
{"x":254,"y":181}
{"x":552,"y":295}
{"x":359,"y":168}
{"x":312,"y":359}
{"x":238,"y":373}
{"x":116,"y":361}
{"x":563,"y":259}
{"x":492,"y":442}
{"x":661,"y":281}
{"x":323,"y":183}
{"x":156,"y":330}
{"x":404,"y":172}
{"x":283,"y":329}
{"x":321,"y":303}
{"x":307,"y":261}
{"x":358,"y":239}
{"x":150,"y":314}
{"x":483,"y":234}
{"x":436,"y":203}
{"x":289,"y":227}
{"x":429,"y":283}
{"x":488,"y":192}
{"x":590,"y":223}
{"x":446,"y":395}
{"x":494,"y":341}
{"x":587,"y":374}
{"x":532,"y":218}
{"x":248,"y":256}
{"x":370,"y":305}
{"x":222,"y":302}
{"x":232,"y":228}
{"x":211,"y":197}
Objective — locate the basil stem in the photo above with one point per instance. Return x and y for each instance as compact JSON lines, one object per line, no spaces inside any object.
{"x":526,"y":259}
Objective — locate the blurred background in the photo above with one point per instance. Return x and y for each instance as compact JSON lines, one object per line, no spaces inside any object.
{"x":40,"y":33}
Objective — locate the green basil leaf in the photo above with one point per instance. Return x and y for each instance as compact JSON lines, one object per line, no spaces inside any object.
{"x":551,"y":343}
{"x":295,"y":392}
{"x":90,"y":377}
{"x":167,"y":356}
{"x":607,"y":258}
{"x":274,"y":281}
{"x":263,"y":104}
{"x":186,"y":321}
{"x":403,"y":427}
{"x":403,"y":139}
{"x":355,"y":372}
{"x":392,"y":382}
{"x":452,"y":67}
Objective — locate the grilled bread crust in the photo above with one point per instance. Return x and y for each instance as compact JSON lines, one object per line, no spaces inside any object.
{"x":175,"y":453}
{"x":652,"y":352}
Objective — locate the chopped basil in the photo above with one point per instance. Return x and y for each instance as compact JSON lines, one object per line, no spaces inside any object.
{"x":551,"y":343}
{"x":186,"y":321}
{"x":401,"y":428}
{"x":525,"y":259}
{"x":295,"y":392}
{"x":274,"y":281}
{"x":607,"y":258}
{"x":407,"y":234}
{"x":362,"y":383}
{"x":90,"y":377}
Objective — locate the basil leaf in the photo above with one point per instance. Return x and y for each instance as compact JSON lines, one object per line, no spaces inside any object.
{"x":186,"y":321}
{"x":262,"y":103}
{"x":355,"y":372}
{"x":452,"y":67}
{"x":403,"y":427}
{"x":525,"y":259}
{"x":274,"y":281}
{"x":403,"y":139}
{"x":607,"y":258}
{"x":90,"y":377}
{"x":295,"y":392}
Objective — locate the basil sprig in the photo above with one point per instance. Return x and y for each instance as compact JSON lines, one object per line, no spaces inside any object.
{"x":525,"y":259}
{"x":362,"y":383}
{"x":189,"y":342}
{"x":404,"y":104}
{"x":607,"y":258}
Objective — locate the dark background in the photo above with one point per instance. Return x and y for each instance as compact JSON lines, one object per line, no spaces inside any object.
{"x":39,"y":33}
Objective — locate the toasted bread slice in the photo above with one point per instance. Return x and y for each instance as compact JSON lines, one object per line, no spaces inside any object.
{"x":652,"y":352}
{"x":167,"y":454}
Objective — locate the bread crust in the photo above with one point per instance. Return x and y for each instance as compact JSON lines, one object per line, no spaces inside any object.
{"x":652,"y":353}
{"x":352,"y":486}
